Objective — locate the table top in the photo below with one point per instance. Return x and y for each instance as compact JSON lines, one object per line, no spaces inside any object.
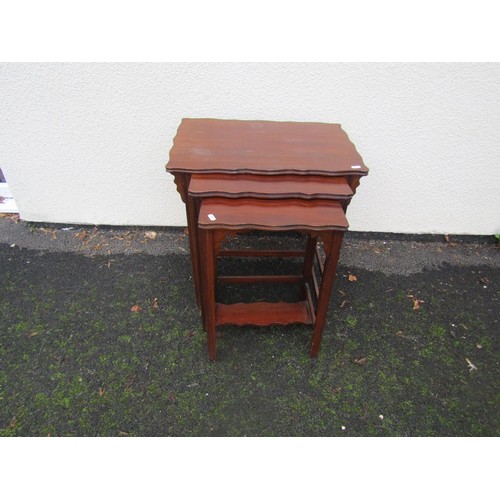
{"x":265,"y":186}
{"x":282,"y":215}
{"x":206,"y":145}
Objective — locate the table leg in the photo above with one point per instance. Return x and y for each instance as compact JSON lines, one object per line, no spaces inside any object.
{"x":308,"y":261}
{"x":208,"y":289}
{"x":325,"y":291}
{"x":192,"y":210}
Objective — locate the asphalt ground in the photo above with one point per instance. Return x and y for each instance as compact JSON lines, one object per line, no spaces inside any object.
{"x":100,"y":336}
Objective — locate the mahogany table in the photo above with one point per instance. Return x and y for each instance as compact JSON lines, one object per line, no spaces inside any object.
{"x":219,"y":217}
{"x":238,"y":159}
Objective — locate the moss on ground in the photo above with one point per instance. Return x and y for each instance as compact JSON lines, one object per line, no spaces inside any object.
{"x":76,"y":361}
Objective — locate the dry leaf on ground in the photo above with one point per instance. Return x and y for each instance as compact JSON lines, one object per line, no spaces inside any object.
{"x":12,"y":423}
{"x":470,"y":365}
{"x":52,"y":232}
{"x":360,"y":361}
{"x":130,"y":380}
{"x":82,"y":234}
{"x":416,"y":302}
{"x":14,"y":217}
{"x":150,"y":234}
{"x":351,"y":277}
{"x":155,"y":305}
{"x":136,"y":309}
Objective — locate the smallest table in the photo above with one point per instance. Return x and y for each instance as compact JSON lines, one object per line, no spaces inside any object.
{"x":319,"y":218}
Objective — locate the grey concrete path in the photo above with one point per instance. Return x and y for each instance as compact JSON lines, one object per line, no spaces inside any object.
{"x":388,"y":256}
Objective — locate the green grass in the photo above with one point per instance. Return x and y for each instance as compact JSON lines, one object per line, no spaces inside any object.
{"x":74,"y":361}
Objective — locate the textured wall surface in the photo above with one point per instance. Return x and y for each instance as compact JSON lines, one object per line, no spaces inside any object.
{"x":87,"y":143}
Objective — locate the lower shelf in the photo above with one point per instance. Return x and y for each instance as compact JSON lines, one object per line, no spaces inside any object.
{"x":263,"y":313}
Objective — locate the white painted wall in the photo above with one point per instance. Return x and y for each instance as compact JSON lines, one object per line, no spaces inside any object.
{"x":87,"y":143}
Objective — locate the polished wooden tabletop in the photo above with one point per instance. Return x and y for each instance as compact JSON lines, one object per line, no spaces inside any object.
{"x":206,"y":145}
{"x":272,"y":215}
{"x":306,"y":187}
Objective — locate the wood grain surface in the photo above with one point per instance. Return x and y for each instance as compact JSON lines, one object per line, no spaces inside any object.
{"x":263,"y":313}
{"x":273,"y":187}
{"x":204,"y":145}
{"x":272,"y":215}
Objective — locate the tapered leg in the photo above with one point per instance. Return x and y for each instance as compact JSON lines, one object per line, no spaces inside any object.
{"x":309,"y":261}
{"x":201,"y":280}
{"x":208,"y":289}
{"x":325,"y":291}
{"x":192,"y":209}
{"x":192,"y":217}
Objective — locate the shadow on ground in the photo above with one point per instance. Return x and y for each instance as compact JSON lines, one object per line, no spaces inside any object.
{"x":76,"y":361}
